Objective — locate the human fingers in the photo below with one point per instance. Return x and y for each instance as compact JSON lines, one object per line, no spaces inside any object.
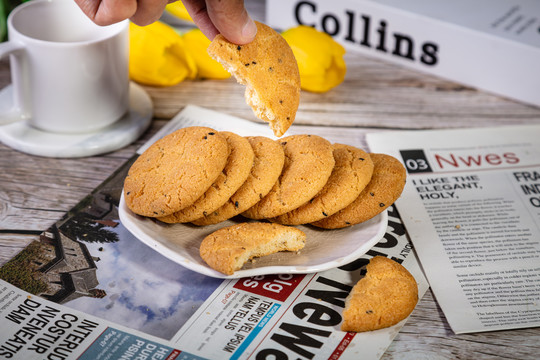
{"x":228,"y":17}
{"x":107,"y":12}
{"x":232,"y":20}
{"x":148,"y":11}
{"x":199,"y":13}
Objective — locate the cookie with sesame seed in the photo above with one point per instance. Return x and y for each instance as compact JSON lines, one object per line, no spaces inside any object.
{"x":175,"y":171}
{"x":234,"y":174}
{"x":385,"y":187}
{"x":351,"y":173}
{"x":269,"y":70}
{"x":387,"y":294}
{"x":267,"y":166}
{"x":228,"y":249}
{"x":309,"y":161}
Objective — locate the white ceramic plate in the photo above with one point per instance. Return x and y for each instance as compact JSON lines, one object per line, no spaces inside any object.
{"x":325,"y":249}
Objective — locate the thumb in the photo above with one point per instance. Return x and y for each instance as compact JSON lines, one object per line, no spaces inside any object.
{"x":232,"y":20}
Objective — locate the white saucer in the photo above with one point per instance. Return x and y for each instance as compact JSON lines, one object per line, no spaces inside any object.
{"x":22,"y":137}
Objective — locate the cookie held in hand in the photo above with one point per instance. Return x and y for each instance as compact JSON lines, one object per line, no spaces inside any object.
{"x":228,"y":249}
{"x":269,"y":70}
{"x":385,"y":296}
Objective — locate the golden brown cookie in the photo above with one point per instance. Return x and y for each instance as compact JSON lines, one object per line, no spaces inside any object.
{"x":234,"y":174}
{"x":267,"y":166}
{"x":175,"y":171}
{"x":228,"y":249}
{"x":351,"y":173}
{"x":385,"y":187}
{"x":309,"y":161}
{"x":385,"y":296}
{"x":269,"y":70}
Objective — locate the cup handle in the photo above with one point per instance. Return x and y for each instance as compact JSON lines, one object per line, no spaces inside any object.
{"x":11,"y":97}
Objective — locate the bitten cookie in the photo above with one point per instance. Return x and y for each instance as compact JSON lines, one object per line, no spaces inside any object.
{"x":269,"y":70}
{"x":228,"y":249}
{"x":175,"y":171}
{"x":351,"y":173}
{"x":234,"y":174}
{"x":309,"y":161}
{"x":267,"y":166}
{"x":385,"y":296}
{"x":385,"y":187}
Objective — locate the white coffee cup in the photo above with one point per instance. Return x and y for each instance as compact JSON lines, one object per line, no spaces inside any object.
{"x":68,"y":74}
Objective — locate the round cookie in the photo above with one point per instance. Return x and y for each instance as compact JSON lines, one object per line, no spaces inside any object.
{"x":267,"y":166}
{"x":234,"y":174}
{"x":385,"y":296}
{"x":385,"y":187}
{"x":309,"y":161}
{"x":227,"y":249}
{"x":175,"y":171}
{"x":351,"y":173}
{"x":269,"y":70}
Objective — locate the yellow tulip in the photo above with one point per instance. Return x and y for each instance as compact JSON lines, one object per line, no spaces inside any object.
{"x":158,"y":55}
{"x":319,"y":56}
{"x":178,"y":9}
{"x":197,"y":43}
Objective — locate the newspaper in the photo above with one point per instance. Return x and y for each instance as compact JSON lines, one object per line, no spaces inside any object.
{"x":472,"y":205}
{"x":109,"y":296}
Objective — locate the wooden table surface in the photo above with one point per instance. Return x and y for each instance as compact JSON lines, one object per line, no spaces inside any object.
{"x":35,"y":192}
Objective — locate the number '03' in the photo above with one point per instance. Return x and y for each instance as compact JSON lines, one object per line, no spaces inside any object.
{"x":416,"y":164}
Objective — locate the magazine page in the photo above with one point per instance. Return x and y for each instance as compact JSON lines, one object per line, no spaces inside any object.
{"x":472,"y":205}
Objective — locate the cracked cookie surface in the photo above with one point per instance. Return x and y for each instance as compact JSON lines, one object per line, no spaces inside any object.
{"x":234,"y":174}
{"x":227,"y":249}
{"x":175,"y":171}
{"x":309,"y":161}
{"x":385,"y":187}
{"x":351,"y":173}
{"x":386,"y":295}
{"x":267,"y":166}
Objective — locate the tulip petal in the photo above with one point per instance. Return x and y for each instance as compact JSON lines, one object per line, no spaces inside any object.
{"x":158,"y":56}
{"x":319,"y":56}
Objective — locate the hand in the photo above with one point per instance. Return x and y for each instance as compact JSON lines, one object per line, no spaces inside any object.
{"x":226,"y":17}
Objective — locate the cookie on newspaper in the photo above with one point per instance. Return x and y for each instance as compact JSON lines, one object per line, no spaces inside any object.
{"x":385,"y":296}
{"x":175,"y":171}
{"x":352,"y":172}
{"x":269,"y":70}
{"x":385,"y":187}
{"x":309,"y":161}
{"x":267,"y":166}
{"x":228,"y":249}
{"x":234,"y":174}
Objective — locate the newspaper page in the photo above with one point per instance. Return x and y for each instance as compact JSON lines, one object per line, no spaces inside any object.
{"x":294,"y":316}
{"x":471,"y":207}
{"x":288,"y":316}
{"x":89,"y":289}
{"x":36,"y":328}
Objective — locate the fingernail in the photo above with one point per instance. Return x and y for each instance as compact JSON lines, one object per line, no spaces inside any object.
{"x":249,"y":30}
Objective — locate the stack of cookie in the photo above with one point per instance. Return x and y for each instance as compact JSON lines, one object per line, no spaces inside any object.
{"x":202,"y":176}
